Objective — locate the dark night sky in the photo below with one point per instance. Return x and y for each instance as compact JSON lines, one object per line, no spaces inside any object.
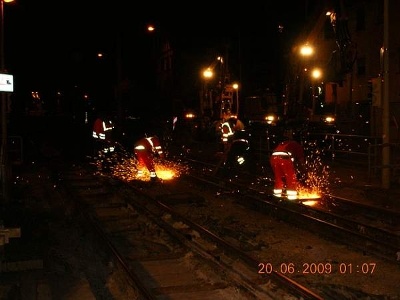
{"x":49,"y":42}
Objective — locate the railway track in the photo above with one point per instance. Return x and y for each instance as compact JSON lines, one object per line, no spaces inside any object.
{"x":186,"y":195}
{"x":367,"y":228}
{"x":167,"y":255}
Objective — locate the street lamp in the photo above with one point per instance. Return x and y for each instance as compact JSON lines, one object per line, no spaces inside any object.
{"x":3,"y":152}
{"x":306,"y":51}
{"x":206,"y":102}
{"x":150,"y":28}
{"x":208,"y":73}
{"x":315,"y":74}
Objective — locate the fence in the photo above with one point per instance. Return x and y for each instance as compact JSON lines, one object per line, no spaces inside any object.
{"x":364,"y":151}
{"x":355,"y":150}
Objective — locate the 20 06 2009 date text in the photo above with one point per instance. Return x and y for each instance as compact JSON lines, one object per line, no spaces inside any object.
{"x":288,"y":268}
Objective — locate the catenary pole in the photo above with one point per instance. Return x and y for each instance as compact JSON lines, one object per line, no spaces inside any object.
{"x":3,"y":152}
{"x":385,"y":99}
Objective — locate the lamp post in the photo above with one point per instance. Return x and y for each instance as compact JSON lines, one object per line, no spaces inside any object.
{"x":316,"y":74}
{"x":236,"y":88}
{"x":3,"y":152}
{"x":306,"y":51}
{"x":207,"y":98}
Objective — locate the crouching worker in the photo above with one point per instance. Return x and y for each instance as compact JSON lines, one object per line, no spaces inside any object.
{"x":287,"y":159}
{"x":146,"y":149}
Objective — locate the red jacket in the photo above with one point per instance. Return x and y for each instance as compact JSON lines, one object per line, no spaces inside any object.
{"x":100,"y":128}
{"x":295,"y":149}
{"x":150,"y":144}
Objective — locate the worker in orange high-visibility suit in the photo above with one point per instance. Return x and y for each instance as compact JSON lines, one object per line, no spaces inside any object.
{"x":145,"y":150}
{"x":287,"y":159}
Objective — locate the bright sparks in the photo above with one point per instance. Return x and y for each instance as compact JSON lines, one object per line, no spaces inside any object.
{"x":309,"y":194}
{"x":315,"y":180}
{"x":166,"y":170}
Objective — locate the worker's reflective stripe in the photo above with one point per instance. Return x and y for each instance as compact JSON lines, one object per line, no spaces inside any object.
{"x":105,"y":128}
{"x":291,"y":194}
{"x":100,"y":136}
{"x":282,"y":153}
{"x":151,"y":142}
{"x":229,"y":133}
{"x":278,"y":192}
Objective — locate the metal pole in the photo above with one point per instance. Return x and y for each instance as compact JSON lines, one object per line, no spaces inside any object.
{"x":2,"y":36}
{"x":385,"y":104}
{"x":237,"y":101}
{"x":313,"y":100}
{"x":3,"y":153}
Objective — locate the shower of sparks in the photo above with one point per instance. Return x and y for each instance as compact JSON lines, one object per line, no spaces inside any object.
{"x":126,"y":169}
{"x":167,"y":170}
{"x":316,"y":178}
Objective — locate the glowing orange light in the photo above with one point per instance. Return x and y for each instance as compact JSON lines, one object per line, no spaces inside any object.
{"x":190,"y":116}
{"x":310,"y":202}
{"x":126,"y":169}
{"x":165,"y":172}
{"x":309,"y":194}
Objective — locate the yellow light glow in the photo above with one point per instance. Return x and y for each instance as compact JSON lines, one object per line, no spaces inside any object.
{"x":190,"y":116}
{"x":306,"y":50}
{"x":308,"y":194}
{"x":316,"y":73}
{"x":165,"y":174}
{"x":126,"y":169}
{"x":329,"y":119}
{"x":208,"y":73}
{"x":270,"y":119}
{"x":310,"y":202}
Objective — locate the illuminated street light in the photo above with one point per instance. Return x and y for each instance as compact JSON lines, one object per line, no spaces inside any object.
{"x":208,"y":73}
{"x":316,"y":73}
{"x":306,"y":50}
